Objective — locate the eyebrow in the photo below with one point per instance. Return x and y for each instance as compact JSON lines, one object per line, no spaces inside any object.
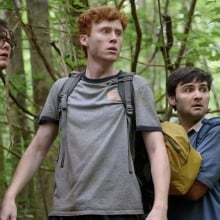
{"x":192,"y":83}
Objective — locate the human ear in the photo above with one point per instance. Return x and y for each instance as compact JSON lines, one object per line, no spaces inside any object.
{"x":172,"y":100}
{"x":83,"y":40}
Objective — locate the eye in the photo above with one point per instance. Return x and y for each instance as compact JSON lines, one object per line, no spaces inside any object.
{"x":105,"y":30}
{"x":188,"y":90}
{"x":3,"y":34}
{"x":204,"y":89}
{"x":118,"y":33}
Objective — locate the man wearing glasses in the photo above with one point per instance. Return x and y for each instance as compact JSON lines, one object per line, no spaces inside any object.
{"x":7,"y":44}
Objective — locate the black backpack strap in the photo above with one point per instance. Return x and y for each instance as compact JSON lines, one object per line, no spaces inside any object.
{"x":208,"y":124}
{"x":136,"y":146}
{"x":126,"y":92}
{"x":66,"y":90}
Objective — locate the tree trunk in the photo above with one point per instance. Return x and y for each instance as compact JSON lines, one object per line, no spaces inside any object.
{"x":40,"y":51}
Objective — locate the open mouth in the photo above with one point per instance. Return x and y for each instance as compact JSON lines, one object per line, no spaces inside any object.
{"x":113,"y":49}
{"x":6,"y":55}
{"x":197,"y":106}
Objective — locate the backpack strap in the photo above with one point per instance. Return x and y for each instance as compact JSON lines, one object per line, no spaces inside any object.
{"x":65,"y":91}
{"x":126,"y":91}
{"x":208,"y":124}
{"x":125,"y":88}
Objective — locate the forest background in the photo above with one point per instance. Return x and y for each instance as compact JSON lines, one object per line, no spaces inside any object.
{"x":162,"y":35}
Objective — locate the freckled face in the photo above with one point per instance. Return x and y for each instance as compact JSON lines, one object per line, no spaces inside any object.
{"x":192,"y":100}
{"x":105,"y":41}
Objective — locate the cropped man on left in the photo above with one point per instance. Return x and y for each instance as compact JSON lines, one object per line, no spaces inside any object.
{"x":7,"y":44}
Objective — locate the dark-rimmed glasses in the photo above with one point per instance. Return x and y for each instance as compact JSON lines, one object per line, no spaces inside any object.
{"x":4,"y":38}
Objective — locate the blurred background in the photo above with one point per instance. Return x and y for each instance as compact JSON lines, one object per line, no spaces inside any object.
{"x":162,"y":35}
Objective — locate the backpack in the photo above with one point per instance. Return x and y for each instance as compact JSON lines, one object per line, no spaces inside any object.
{"x":184,"y":160}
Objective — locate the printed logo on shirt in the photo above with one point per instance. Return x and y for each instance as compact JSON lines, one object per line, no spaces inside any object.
{"x":113,"y":95}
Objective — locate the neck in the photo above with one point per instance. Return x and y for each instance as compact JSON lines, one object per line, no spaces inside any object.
{"x":98,"y":72}
{"x":187,"y":123}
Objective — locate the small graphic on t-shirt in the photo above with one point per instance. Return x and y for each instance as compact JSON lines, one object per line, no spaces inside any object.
{"x":113,"y":95}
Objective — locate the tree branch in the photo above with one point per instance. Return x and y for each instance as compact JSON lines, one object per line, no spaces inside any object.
{"x":139,"y":37}
{"x":30,"y":33}
{"x":15,"y":100}
{"x":186,"y":32}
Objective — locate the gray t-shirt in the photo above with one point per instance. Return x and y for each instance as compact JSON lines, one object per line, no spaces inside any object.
{"x":95,"y":178}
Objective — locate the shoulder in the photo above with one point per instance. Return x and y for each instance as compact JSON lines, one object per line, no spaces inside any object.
{"x":58,"y":84}
{"x":209,"y":125}
{"x":140,"y":79}
{"x":209,"y":132}
{"x":136,"y":78}
{"x":141,"y":85}
{"x":140,"y":82}
{"x":211,"y":122}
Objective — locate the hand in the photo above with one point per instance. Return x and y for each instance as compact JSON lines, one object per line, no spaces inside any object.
{"x":156,"y":214}
{"x":8,"y":210}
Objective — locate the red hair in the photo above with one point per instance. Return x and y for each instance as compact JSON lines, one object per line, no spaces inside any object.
{"x":97,"y":15}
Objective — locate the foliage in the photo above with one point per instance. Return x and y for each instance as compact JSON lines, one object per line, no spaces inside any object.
{"x":161,"y":36}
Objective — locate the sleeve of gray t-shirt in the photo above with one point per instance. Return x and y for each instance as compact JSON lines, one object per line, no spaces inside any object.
{"x":146,"y":115}
{"x":50,"y":111}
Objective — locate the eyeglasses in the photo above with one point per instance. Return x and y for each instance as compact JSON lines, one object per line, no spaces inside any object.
{"x":9,"y":41}
{"x":4,"y":38}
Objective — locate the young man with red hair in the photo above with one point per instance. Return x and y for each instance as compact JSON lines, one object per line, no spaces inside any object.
{"x":94,"y":177}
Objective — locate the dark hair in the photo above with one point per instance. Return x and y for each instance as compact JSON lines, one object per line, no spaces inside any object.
{"x":5,"y":31}
{"x":185,"y":75}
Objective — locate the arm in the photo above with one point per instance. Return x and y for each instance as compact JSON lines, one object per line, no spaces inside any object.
{"x":160,"y":170}
{"x":197,"y":190}
{"x":27,"y":167}
{"x":209,"y":172}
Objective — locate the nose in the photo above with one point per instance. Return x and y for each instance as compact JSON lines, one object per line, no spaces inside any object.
{"x":198,"y":94}
{"x":113,"y":36}
{"x":5,"y":44}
